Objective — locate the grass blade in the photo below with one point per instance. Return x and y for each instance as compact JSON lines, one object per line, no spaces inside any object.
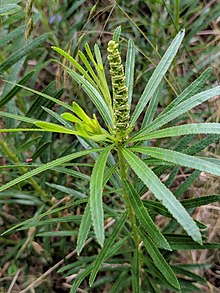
{"x":96,"y":186}
{"x":163,"y":194}
{"x":157,"y":76}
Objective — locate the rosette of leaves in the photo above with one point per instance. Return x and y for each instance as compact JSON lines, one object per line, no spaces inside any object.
{"x":135,"y":230}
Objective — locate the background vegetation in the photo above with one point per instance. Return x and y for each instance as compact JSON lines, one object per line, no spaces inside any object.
{"x":32,"y":257}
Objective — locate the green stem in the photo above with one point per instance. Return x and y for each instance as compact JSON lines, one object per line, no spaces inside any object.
{"x":123,"y":170}
{"x":24,"y":170}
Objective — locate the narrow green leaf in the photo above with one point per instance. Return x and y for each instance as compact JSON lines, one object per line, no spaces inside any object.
{"x":186,"y":129}
{"x":152,"y":108}
{"x":129,"y":69}
{"x":191,"y":90}
{"x":12,"y":36}
{"x":159,"y":260}
{"x":116,"y":34}
{"x":179,"y":242}
{"x":200,"y":201}
{"x":157,"y":76}
{"x":144,"y":217}
{"x":135,"y":271}
{"x":62,"y":233}
{"x":66,"y":106}
{"x":106,"y":248}
{"x":54,"y":127}
{"x":184,"y":272}
{"x":89,"y":268}
{"x":96,"y":187}
{"x":180,"y":109}
{"x":180,"y":159}
{"x":162,"y":193}
{"x":24,"y":130}
{"x":118,"y":282}
{"x":8,"y":9}
{"x":18,"y":117}
{"x":88,"y":67}
{"x":84,"y":228}
{"x":75,"y":64}
{"x":12,"y":59}
{"x":47,"y":166}
{"x":15,"y":89}
{"x":95,"y":97}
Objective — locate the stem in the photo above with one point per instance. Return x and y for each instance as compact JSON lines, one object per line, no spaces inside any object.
{"x":123,"y":170}
{"x":24,"y":170}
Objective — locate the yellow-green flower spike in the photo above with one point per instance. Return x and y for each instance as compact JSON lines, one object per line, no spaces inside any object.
{"x":121,"y":107}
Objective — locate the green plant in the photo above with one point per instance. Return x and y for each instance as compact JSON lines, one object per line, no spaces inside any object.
{"x":113,"y":146}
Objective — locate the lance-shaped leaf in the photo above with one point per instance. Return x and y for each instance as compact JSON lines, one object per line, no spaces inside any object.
{"x":180,"y":159}
{"x":48,"y":166}
{"x":95,"y":199}
{"x":191,"y":90}
{"x":129,"y":69}
{"x":157,"y":76}
{"x":159,"y":260}
{"x":186,"y":129}
{"x":144,"y":218}
{"x":95,"y":96}
{"x":54,"y":127}
{"x":180,"y":109}
{"x":162,"y":193}
{"x":84,"y":229}
{"x":75,"y":64}
{"x":108,"y":244}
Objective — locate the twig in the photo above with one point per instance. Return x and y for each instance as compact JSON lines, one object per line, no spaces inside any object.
{"x":13,"y":281}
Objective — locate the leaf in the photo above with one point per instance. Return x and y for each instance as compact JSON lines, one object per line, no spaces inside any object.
{"x":75,"y":64}
{"x":106,"y":248}
{"x":144,"y":218}
{"x":15,"y":89}
{"x":96,"y":195}
{"x":135,"y":272}
{"x":66,"y":106}
{"x":29,"y":48}
{"x":157,"y":76}
{"x":179,"y":242}
{"x":180,"y":159}
{"x":116,"y":34}
{"x":186,"y":129}
{"x":84,"y":229}
{"x":129,"y":69}
{"x":18,"y":117}
{"x":191,"y":90}
{"x":54,"y":127}
{"x":152,"y":108}
{"x":12,"y":36}
{"x":159,"y":260}
{"x":47,"y":166}
{"x":163,"y":194}
{"x":180,"y":109}
{"x":95,"y":97}
{"x":8,"y":9}
{"x":49,"y":212}
{"x":80,"y":277}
